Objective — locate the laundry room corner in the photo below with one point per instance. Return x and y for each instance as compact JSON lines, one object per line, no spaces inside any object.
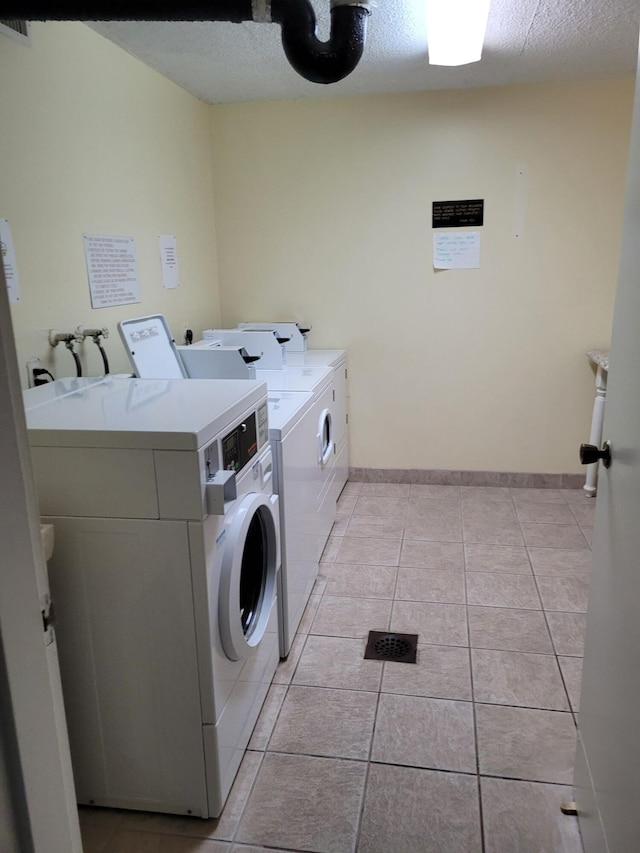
{"x":461,"y":370}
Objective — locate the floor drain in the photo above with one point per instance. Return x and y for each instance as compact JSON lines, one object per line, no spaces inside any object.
{"x":401,"y":648}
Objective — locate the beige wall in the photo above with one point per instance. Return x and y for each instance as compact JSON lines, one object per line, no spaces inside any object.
{"x":92,"y":141}
{"x":323,"y":214}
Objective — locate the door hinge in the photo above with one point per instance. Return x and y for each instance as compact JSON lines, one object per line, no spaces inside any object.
{"x":48,"y":616}
{"x":48,"y":620}
{"x":347,"y":418}
{"x":334,"y":396}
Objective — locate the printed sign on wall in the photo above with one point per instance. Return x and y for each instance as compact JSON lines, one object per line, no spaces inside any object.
{"x":457,"y":214}
{"x":112,"y":269}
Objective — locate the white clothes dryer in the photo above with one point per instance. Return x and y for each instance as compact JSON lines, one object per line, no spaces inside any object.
{"x":320,"y":431}
{"x":299,"y":355}
{"x":165,"y":579}
{"x":293,"y":416}
{"x":336,"y":360}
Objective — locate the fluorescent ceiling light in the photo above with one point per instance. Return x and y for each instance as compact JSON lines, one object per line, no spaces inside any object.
{"x":456,"y":30}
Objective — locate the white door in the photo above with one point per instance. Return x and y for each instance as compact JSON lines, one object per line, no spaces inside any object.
{"x":37,"y":765}
{"x":607,"y":777}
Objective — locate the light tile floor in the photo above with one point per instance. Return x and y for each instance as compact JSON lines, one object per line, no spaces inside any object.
{"x":471,"y":750}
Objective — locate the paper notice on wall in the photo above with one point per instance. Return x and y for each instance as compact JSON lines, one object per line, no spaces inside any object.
{"x":9,"y":261}
{"x":112,"y":270}
{"x":456,"y":251}
{"x":169,"y":259}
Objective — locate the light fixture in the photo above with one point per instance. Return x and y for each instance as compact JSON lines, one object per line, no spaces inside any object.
{"x":456,"y":30}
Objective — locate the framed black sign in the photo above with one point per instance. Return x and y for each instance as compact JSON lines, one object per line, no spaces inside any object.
{"x":455,"y":214}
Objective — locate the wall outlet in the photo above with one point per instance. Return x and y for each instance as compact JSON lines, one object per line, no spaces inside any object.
{"x":32,"y":364}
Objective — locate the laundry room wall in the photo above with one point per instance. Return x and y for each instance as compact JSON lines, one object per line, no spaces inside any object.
{"x":93,"y":141}
{"x":323,"y":215}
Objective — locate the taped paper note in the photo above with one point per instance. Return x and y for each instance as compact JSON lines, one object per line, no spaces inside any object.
{"x":456,"y":251}
{"x":9,"y":261}
{"x":169,"y":258}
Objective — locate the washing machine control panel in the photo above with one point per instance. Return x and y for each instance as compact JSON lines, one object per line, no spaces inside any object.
{"x":240,"y":445}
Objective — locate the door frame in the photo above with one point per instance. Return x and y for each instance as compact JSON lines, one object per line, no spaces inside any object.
{"x":38,"y":762}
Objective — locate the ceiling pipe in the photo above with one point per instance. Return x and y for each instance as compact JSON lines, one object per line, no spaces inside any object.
{"x":317,"y":61}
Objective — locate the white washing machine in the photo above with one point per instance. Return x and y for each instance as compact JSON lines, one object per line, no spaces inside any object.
{"x":164,"y":577}
{"x":294,"y":335}
{"x":301,"y":423}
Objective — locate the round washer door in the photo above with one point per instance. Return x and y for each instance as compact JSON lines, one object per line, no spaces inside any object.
{"x":325,"y":437}
{"x":248,"y":574}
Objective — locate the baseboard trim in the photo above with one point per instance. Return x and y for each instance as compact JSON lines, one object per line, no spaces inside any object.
{"x":466,"y":478}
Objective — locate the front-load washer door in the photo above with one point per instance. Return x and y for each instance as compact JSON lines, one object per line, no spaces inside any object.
{"x":248,"y":574}
{"x":324,"y":437}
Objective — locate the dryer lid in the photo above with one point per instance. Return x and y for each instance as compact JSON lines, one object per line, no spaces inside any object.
{"x":151,"y":348}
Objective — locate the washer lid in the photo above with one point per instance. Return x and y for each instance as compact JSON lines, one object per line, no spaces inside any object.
{"x":296,"y":378}
{"x":151,"y":348}
{"x":285,"y":410}
{"x":157,"y":414}
{"x":316,"y":358}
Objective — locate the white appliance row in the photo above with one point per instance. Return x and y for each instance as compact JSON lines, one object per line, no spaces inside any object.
{"x":308,"y":430}
{"x":165,"y":578}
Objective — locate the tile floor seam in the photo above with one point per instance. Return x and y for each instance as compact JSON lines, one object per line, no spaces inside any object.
{"x":555,"y":652}
{"x":246,"y":799}
{"x":574,"y":712}
{"x":473,"y":706}
{"x":544,"y":614}
{"x":525,"y":707}
{"x":369,"y":762}
{"x":470,"y":773}
{"x":322,"y":755}
{"x":380,"y":683}
{"x":342,"y":689}
{"x":275,"y":722}
{"x":395,"y":589}
{"x":424,"y":695}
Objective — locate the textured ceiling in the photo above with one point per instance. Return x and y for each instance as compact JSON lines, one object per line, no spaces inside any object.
{"x":527,"y":41}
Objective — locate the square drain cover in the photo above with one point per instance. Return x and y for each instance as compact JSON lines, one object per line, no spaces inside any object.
{"x":382,"y":645}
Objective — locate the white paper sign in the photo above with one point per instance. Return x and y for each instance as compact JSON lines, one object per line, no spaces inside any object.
{"x":169,"y":258}
{"x":9,"y":261}
{"x":112,"y":269}
{"x":456,"y":250}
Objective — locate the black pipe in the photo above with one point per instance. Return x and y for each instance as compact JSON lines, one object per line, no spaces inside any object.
{"x":234,"y":11}
{"x":317,"y":61}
